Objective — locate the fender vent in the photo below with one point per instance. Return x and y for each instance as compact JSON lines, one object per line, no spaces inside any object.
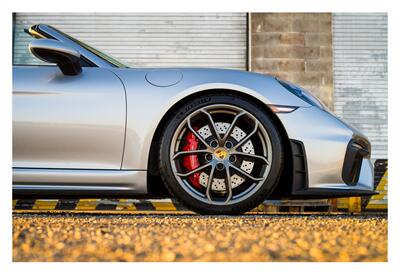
{"x":357,"y":149}
{"x":300,"y":174}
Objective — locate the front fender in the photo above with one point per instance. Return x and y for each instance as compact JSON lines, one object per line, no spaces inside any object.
{"x":147,"y":104}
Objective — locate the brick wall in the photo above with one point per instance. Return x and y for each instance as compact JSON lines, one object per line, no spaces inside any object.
{"x":296,"y":47}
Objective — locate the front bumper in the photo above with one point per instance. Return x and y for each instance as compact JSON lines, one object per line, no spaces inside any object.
{"x":336,"y":156}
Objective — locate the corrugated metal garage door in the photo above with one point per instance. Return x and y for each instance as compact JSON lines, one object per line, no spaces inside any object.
{"x":360,"y":74}
{"x":150,"y":39}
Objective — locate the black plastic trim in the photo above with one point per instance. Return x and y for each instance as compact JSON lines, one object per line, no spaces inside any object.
{"x":358,"y":148}
{"x":300,"y":169}
{"x":331,"y":193}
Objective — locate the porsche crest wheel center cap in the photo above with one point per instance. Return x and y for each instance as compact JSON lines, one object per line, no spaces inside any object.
{"x":220,"y":154}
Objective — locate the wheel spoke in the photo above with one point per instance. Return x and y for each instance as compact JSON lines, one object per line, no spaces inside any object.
{"x":193,"y":171}
{"x":247,"y":137}
{"x":238,"y":133}
{"x":189,"y":152}
{"x":231,"y":126}
{"x":189,"y":124}
{"x":247,"y":174}
{"x":212,"y":125}
{"x":250,"y":155}
{"x":209,"y":185}
{"x":228,"y":184}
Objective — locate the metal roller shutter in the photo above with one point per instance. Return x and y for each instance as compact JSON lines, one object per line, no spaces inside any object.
{"x":149,"y":39}
{"x":360,"y":74}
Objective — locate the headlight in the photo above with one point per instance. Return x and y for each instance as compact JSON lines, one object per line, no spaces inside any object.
{"x":302,"y":94}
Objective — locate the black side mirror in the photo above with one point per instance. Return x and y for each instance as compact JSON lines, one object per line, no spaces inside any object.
{"x":56,"y":52}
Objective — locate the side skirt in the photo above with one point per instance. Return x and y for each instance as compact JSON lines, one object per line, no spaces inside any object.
{"x":29,"y":182}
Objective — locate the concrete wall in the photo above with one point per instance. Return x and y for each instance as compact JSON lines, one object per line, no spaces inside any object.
{"x":296,"y":47}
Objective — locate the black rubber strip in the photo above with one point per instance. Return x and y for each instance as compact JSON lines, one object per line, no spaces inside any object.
{"x":25,"y":204}
{"x":144,"y":205}
{"x":66,"y":204}
{"x":108,"y":206}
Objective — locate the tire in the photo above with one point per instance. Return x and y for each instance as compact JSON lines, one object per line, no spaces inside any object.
{"x":244,"y":161}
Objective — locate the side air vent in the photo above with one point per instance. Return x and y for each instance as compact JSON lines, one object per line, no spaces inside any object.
{"x":357,"y":149}
{"x":300,"y":175}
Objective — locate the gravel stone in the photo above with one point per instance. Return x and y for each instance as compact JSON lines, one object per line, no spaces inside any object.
{"x":153,"y":238}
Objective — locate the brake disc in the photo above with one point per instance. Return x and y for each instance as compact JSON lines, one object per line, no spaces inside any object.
{"x":238,"y":134}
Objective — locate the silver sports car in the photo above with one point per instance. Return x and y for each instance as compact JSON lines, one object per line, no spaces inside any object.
{"x":219,"y":141}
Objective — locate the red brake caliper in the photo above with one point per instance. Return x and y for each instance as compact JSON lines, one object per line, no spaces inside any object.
{"x":191,"y":162}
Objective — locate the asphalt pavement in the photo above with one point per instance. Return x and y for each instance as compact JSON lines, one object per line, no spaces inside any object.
{"x":153,"y":238}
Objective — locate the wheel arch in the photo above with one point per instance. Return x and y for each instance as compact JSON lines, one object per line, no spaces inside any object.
{"x":154,"y":183}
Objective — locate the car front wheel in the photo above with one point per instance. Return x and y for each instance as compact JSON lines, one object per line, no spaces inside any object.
{"x":220,"y":154}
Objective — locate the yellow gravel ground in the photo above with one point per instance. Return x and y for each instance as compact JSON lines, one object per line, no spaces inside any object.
{"x":80,"y":237}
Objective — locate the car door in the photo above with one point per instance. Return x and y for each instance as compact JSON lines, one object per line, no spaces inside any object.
{"x":67,"y":122}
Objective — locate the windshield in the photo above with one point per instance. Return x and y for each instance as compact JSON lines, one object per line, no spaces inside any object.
{"x":96,"y":52}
